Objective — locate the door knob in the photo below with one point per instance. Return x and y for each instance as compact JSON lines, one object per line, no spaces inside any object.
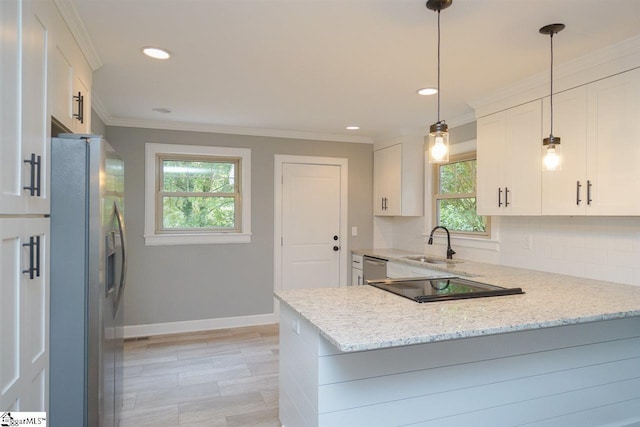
{"x":336,"y":248}
{"x":335,"y":237}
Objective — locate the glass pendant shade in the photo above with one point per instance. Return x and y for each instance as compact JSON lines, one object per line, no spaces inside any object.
{"x":439,"y":143}
{"x":552,"y":154}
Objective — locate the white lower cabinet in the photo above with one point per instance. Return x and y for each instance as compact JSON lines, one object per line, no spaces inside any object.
{"x":24,"y":314}
{"x":357,"y":278}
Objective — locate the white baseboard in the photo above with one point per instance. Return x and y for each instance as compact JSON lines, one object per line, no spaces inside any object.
{"x":136,"y":331}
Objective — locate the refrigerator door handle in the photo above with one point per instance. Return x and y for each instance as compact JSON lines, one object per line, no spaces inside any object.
{"x":123,"y":249}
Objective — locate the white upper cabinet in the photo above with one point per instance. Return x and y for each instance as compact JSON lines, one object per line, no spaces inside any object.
{"x":24,"y":115}
{"x":509,"y":162}
{"x":613,"y":145}
{"x":564,"y":191}
{"x":71,"y":92}
{"x":599,"y":127}
{"x":398,"y":179}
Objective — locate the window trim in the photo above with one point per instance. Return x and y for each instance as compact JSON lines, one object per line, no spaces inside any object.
{"x":153,"y":237}
{"x":436,"y":196}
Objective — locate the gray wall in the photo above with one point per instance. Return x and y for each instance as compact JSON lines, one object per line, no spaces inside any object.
{"x":181,"y":283}
{"x":462,"y":133}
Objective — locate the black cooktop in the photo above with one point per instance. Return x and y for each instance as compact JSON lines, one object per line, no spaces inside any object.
{"x":424,"y":289}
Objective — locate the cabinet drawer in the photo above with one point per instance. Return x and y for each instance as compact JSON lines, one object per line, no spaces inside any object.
{"x":356,"y":261}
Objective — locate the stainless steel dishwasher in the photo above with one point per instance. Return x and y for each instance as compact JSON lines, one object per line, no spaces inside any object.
{"x":374,"y":268}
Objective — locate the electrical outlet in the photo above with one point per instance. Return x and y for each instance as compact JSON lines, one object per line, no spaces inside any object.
{"x":354,"y":231}
{"x":526,"y":243}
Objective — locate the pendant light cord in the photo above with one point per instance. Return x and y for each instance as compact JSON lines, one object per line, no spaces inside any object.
{"x":551,"y":96}
{"x":438,"y":65}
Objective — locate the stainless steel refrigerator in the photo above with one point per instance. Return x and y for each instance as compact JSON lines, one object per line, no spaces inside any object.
{"x":88,"y":276}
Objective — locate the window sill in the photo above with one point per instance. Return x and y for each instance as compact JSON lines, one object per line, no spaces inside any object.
{"x":196,"y":239}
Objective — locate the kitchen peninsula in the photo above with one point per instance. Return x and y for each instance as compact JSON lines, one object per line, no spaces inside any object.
{"x":567,"y":352}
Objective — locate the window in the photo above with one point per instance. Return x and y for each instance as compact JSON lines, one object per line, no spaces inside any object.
{"x":455,"y":197}
{"x":197,"y":195}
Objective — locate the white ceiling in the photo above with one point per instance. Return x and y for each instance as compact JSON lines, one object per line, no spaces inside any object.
{"x":316,"y":66}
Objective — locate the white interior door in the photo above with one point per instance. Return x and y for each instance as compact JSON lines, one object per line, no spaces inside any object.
{"x":311,"y":237}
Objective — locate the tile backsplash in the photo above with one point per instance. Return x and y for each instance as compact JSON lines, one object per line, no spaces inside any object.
{"x":603,"y":248}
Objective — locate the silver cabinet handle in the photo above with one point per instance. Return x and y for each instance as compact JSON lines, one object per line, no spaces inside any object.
{"x":589,"y":185}
{"x":499,"y":197}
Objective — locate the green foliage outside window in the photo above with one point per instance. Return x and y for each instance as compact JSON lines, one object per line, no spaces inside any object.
{"x":456,"y":201}
{"x":199,"y":194}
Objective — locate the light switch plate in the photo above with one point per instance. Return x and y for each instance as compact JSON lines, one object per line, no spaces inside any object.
{"x":354,"y":231}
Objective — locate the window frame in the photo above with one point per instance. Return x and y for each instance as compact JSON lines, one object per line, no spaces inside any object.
{"x":437,"y":196}
{"x":154,"y":233}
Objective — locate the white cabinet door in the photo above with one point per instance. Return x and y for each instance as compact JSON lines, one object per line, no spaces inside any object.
{"x":356,"y":277}
{"x":398,"y":178}
{"x":71,"y":91}
{"x":523,"y":161}
{"x":600,"y":147}
{"x":36,"y":125}
{"x":62,"y":100}
{"x":24,"y":317}
{"x":11,"y":198}
{"x":24,"y":120}
{"x":564,"y":191}
{"x":387,"y":169}
{"x":613,"y":145}
{"x":491,"y":158}
{"x":82,"y":105}
{"x":509,"y":162}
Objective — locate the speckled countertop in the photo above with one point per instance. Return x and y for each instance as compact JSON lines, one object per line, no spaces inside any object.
{"x":356,"y":318}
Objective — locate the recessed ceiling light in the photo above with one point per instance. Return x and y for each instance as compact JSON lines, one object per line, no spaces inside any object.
{"x":156,"y":52}
{"x":353,"y":127}
{"x":426,"y":91}
{"x":162,"y":110}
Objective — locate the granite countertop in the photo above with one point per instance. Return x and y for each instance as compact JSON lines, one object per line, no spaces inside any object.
{"x":357,"y":318}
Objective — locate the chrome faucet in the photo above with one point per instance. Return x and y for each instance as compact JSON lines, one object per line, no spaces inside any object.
{"x":450,"y":252}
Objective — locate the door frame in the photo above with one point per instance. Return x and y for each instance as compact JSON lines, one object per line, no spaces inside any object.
{"x":280,"y":160}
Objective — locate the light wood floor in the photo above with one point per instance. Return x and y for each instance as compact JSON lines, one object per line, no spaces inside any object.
{"x":223,"y":378}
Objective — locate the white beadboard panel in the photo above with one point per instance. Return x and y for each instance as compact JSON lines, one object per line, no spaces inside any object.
{"x":570,"y":375}
{"x":299,"y":360}
{"x":343,"y":395}
{"x":506,"y":403}
{"x":543,"y":412}
{"x":602,"y":416}
{"x":394,"y":360}
{"x":295,"y":409}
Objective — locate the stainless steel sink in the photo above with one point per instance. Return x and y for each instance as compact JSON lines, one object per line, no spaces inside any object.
{"x":429,"y":260}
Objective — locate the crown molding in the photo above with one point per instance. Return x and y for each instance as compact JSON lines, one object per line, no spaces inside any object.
{"x":71,"y":17}
{"x":604,"y":62}
{"x":462,"y":120}
{"x":232,"y":130}
{"x":98,"y":106}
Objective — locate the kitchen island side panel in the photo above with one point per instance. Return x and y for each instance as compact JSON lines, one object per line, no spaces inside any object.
{"x":569,"y":375}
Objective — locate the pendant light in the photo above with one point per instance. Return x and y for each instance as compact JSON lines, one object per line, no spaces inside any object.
{"x":439,"y":131}
{"x":552,"y":161}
